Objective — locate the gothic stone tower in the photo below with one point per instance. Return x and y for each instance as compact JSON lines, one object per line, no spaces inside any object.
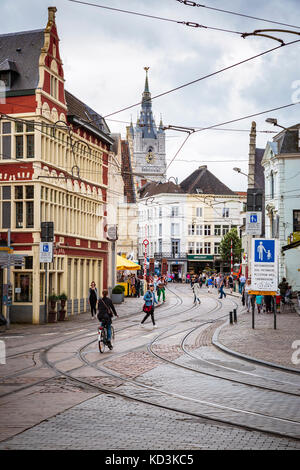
{"x":149,"y":157}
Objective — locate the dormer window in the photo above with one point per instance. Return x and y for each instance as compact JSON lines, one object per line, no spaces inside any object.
{"x":4,"y":80}
{"x":8,"y":73}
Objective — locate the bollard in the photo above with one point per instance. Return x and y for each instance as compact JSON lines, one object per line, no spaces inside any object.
{"x":234,"y":315}
{"x":230,"y":318}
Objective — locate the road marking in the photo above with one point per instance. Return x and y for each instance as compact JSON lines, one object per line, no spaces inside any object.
{"x":8,"y":337}
{"x":48,"y":334}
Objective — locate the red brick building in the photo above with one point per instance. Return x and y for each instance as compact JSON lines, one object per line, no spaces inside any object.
{"x":54,"y":153}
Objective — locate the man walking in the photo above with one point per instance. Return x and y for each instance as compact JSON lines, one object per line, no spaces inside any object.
{"x":242,"y":283}
{"x":221,"y":287}
{"x":161,"y":289}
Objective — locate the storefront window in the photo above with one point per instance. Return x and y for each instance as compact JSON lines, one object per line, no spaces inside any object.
{"x":23,"y":287}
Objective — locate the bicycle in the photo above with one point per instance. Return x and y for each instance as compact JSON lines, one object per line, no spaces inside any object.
{"x":102,"y":337}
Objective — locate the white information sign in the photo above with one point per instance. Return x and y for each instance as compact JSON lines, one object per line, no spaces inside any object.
{"x":46,"y":252}
{"x":253,"y":223}
{"x":264,"y":265}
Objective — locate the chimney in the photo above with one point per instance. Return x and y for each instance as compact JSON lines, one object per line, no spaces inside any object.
{"x":251,"y":164}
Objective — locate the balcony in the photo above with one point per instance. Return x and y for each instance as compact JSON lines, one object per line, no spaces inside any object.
{"x":170,"y":256}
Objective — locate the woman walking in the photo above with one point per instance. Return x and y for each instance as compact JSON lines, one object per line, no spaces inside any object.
{"x":93,"y":299}
{"x":196,"y":290}
{"x":150,"y":300}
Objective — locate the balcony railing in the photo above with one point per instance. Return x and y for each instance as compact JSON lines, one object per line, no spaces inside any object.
{"x":170,"y":255}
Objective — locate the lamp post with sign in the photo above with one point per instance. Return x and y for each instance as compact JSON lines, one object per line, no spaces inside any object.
{"x":46,"y":254}
{"x":145,"y":243}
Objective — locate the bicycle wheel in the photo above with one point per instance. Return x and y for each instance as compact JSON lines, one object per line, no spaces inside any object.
{"x":112,"y":339}
{"x":101,"y":341}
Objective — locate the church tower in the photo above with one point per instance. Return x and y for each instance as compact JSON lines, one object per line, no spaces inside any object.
{"x":149,"y":154}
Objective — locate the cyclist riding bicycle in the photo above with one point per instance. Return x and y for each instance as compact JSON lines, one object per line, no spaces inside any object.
{"x":106,"y":310}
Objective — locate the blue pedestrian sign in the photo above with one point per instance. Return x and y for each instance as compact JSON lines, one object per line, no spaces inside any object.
{"x":264,"y":251}
{"x":253,"y":223}
{"x":264,"y":264}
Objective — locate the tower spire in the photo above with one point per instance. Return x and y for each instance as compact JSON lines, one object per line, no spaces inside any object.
{"x":146,"y":94}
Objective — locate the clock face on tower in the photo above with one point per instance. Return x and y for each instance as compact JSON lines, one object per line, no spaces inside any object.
{"x":150,"y":157}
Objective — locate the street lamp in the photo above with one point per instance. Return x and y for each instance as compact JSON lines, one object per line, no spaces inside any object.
{"x":274,"y":122}
{"x":238,"y":170}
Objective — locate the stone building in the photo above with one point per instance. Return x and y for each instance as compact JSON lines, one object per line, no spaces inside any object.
{"x":185,"y":222}
{"x":149,"y":154}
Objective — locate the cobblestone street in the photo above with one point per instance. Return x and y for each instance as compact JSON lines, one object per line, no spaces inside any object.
{"x":44,"y":408}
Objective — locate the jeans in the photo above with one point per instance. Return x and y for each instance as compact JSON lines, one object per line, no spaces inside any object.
{"x":93,"y":308}
{"x":148,"y":314}
{"x":163,"y":292}
{"x":222,"y":292}
{"x":241,"y":287}
{"x":107,"y":325}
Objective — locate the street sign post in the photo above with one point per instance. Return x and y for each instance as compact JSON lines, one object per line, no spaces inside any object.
{"x":253,"y":223}
{"x":264,"y":269}
{"x":46,"y":252}
{"x":264,"y":266}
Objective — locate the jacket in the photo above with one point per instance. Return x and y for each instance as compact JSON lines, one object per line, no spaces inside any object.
{"x":150,"y":298}
{"x":106,"y":309}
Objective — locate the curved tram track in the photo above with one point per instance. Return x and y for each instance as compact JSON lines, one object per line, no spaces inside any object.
{"x":247,"y":417}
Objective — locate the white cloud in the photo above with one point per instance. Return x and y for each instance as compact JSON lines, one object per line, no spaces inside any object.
{"x":104,"y":53}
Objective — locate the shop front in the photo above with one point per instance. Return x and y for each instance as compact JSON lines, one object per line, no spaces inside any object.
{"x":200,"y":263}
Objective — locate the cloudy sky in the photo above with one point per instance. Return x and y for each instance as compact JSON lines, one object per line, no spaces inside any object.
{"x":105,"y":52}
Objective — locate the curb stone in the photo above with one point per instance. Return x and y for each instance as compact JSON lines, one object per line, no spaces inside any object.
{"x":223,"y":348}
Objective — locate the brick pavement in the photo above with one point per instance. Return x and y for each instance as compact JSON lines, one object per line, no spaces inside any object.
{"x":264,"y":343}
{"x":111,"y":423}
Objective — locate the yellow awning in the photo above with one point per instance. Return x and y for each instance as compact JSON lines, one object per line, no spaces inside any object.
{"x":125,"y":264}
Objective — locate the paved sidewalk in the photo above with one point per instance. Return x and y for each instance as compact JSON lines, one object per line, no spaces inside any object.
{"x":264,"y":343}
{"x":129,"y":306}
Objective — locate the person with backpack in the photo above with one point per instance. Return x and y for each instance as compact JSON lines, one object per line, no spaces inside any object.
{"x":93,"y":299}
{"x":106,"y":311}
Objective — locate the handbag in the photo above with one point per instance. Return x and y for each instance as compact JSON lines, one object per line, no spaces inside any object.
{"x":147,"y":308}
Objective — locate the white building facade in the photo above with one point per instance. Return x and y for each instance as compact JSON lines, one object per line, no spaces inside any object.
{"x":281,"y":164}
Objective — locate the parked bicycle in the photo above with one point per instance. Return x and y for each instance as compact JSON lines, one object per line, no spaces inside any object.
{"x":102,"y":338}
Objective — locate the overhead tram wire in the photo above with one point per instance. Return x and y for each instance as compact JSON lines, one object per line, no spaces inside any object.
{"x":197,"y":79}
{"x":230,"y":122}
{"x":185,"y":23}
{"x":194,"y":131}
{"x":194,"y":4}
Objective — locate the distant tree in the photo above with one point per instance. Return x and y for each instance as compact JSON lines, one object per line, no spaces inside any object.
{"x":225,"y":246}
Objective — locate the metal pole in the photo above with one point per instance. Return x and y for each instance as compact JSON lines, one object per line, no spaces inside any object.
{"x":113,"y":263}
{"x":234,"y":315}
{"x":231,"y":258}
{"x":46,"y":290}
{"x":230,"y":318}
{"x":8,"y":281}
{"x":275,"y":306}
{"x":253,"y":307}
